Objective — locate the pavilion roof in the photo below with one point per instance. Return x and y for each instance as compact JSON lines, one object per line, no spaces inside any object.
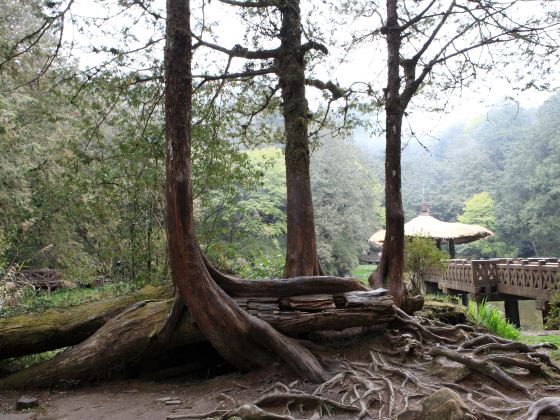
{"x":426,"y":225}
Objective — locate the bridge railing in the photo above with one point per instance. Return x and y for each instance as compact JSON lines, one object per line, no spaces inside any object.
{"x":531,"y":278}
{"x":538,"y":279}
{"x":457,"y":275}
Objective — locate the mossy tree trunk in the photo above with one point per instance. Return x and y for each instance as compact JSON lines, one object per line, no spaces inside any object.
{"x":56,"y":328}
{"x":243,"y":340}
{"x":391,"y":267}
{"x":301,"y":247}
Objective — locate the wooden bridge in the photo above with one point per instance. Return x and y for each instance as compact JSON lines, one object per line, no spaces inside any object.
{"x":509,"y":280}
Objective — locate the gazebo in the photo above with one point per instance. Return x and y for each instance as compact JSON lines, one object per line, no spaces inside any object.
{"x":426,"y":225}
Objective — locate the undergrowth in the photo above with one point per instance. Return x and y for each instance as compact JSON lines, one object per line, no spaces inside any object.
{"x":8,"y":366}
{"x":441,"y":297}
{"x":492,"y":319}
{"x":545,"y":338}
{"x":31,"y":300}
{"x":363,"y":271}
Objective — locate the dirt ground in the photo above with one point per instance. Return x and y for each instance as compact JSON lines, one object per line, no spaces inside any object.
{"x":128,"y":400}
{"x":136,"y":399}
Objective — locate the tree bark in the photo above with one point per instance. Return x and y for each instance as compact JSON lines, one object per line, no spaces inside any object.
{"x":301,"y":252}
{"x":56,"y":328}
{"x":124,"y":340}
{"x":242,"y":339}
{"x":391,"y":266}
{"x":116,"y":346}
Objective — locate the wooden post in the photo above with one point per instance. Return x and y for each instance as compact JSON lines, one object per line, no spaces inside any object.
{"x":543,"y":306}
{"x":452,"y":248}
{"x":511,"y":306}
{"x":465,"y":299}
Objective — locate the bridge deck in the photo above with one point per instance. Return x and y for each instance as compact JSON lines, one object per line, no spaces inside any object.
{"x":537,"y":279}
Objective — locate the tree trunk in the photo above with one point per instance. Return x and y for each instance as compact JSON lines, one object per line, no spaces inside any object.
{"x":122,"y":343}
{"x":56,"y":328}
{"x":451,"y":243}
{"x":391,"y":267}
{"x":242,"y":339}
{"x":301,"y":252}
{"x":116,"y":346}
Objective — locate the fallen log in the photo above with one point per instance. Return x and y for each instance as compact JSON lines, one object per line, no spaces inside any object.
{"x":56,"y":328}
{"x":124,"y":339}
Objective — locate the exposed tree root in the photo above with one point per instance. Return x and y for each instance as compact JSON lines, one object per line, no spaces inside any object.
{"x":483,"y":367}
{"x":513,"y":346}
{"x":245,"y":411}
{"x":389,"y":385}
{"x":547,"y":405}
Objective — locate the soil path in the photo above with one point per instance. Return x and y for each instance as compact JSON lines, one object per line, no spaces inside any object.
{"x":131,"y":400}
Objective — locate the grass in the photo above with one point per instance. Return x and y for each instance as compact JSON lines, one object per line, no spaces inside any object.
{"x":546,"y":338}
{"x":493,"y":319}
{"x":35,"y":301}
{"x":363,"y":271}
{"x":441,"y":297}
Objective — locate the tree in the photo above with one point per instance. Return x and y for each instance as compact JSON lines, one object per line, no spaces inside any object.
{"x":345,"y":194}
{"x":480,"y":210}
{"x":526,"y":201}
{"x":239,"y":337}
{"x":437,"y":36}
{"x":289,"y":64}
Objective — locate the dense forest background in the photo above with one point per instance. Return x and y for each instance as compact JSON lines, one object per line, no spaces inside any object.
{"x":82,"y":175}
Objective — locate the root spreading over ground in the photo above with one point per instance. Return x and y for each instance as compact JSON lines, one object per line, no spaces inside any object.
{"x":418,"y":369}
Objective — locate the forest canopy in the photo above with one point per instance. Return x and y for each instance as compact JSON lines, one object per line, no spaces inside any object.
{"x":82,"y":171}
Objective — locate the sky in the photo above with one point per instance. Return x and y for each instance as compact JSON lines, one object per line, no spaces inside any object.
{"x":366,"y":63}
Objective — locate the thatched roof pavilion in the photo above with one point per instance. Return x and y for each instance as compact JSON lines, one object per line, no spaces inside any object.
{"x":426,"y":225}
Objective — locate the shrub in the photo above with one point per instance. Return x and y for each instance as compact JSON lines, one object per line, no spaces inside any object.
{"x":553,"y":320}
{"x":420,"y":256}
{"x":492,"y":319}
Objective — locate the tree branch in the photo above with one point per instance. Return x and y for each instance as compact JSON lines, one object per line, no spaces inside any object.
{"x":417,"y":18}
{"x":313,"y":45}
{"x":336,"y":91}
{"x":239,"y":51}
{"x":239,"y":75}
{"x":145,"y":8}
{"x":261,"y":3}
{"x":434,"y":33}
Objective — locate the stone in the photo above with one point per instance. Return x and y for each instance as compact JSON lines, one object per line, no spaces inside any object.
{"x":445,"y":404}
{"x":411,"y":414}
{"x":163,"y":399}
{"x":173,"y":402}
{"x":26,"y":402}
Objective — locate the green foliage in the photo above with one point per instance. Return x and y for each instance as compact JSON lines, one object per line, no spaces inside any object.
{"x":31,"y":300}
{"x":547,"y":338}
{"x":264,"y":265}
{"x":510,"y":155}
{"x":346,"y":198}
{"x":440,"y":297}
{"x":420,"y":256}
{"x":250,"y":227}
{"x":492,"y":319}
{"x":16,"y":364}
{"x":479,"y":210}
{"x":553,"y":319}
